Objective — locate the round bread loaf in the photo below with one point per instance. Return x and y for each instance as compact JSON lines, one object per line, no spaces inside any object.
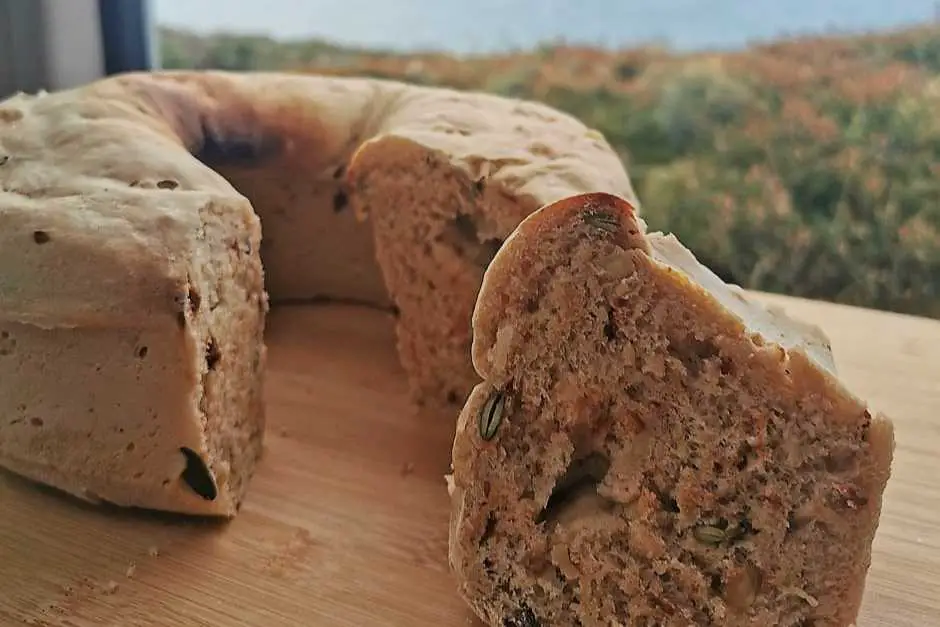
{"x":649,"y":446}
{"x":132,"y":295}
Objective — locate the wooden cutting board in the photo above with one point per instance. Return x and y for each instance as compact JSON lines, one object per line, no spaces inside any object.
{"x":346,"y":521}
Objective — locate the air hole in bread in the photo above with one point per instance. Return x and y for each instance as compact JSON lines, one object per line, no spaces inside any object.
{"x":610,"y":326}
{"x":580,"y":479}
{"x":340,"y":201}
{"x":489,"y":528}
{"x":524,"y":617}
{"x":7,"y":343}
{"x":197,"y":475}
{"x":694,"y":354}
{"x":462,"y":235}
{"x":745,"y":454}
{"x":168,"y":184}
{"x":41,"y":237}
{"x":142,"y":352}
{"x":667,"y":502}
{"x":213,"y":354}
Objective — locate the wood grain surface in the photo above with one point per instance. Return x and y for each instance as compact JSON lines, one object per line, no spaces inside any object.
{"x":346,"y":521}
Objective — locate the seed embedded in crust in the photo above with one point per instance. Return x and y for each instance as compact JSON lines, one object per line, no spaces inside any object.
{"x":709,"y":534}
{"x":491,"y":415}
{"x":198,"y":476}
{"x":602,"y":220}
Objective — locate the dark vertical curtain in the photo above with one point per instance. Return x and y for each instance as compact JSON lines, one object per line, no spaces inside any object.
{"x":127,"y":35}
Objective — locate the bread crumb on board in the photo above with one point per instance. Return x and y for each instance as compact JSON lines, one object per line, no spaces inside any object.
{"x":153,"y":551}
{"x":131,"y":570}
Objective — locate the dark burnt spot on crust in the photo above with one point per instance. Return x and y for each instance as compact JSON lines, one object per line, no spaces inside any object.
{"x":214,"y":122}
{"x":610,"y":326}
{"x":582,"y":475}
{"x":195,"y":300}
{"x":217,"y":147}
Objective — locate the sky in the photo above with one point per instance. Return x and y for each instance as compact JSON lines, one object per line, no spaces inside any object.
{"x":487,"y":25}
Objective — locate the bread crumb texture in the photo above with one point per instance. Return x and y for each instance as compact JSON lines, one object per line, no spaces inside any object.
{"x":649,"y":446}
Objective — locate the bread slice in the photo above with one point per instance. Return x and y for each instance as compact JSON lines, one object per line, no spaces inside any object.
{"x":651,"y":447}
{"x":131,"y":293}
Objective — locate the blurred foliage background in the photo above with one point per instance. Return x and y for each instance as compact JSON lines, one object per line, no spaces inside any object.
{"x":809,"y":167}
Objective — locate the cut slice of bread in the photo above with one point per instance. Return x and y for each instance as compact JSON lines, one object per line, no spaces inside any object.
{"x":651,"y":447}
{"x":131,"y":296}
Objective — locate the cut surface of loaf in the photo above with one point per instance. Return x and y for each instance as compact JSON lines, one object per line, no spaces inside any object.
{"x":132,"y":298}
{"x":649,"y":446}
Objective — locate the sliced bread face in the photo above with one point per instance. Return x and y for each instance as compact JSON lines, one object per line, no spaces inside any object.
{"x":649,"y":446}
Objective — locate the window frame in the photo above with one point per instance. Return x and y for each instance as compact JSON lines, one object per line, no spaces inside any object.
{"x":59,"y":44}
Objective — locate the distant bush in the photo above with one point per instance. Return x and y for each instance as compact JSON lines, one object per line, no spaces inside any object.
{"x":807,"y":167}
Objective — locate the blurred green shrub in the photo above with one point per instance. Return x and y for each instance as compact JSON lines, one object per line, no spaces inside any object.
{"x":807,"y":167}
